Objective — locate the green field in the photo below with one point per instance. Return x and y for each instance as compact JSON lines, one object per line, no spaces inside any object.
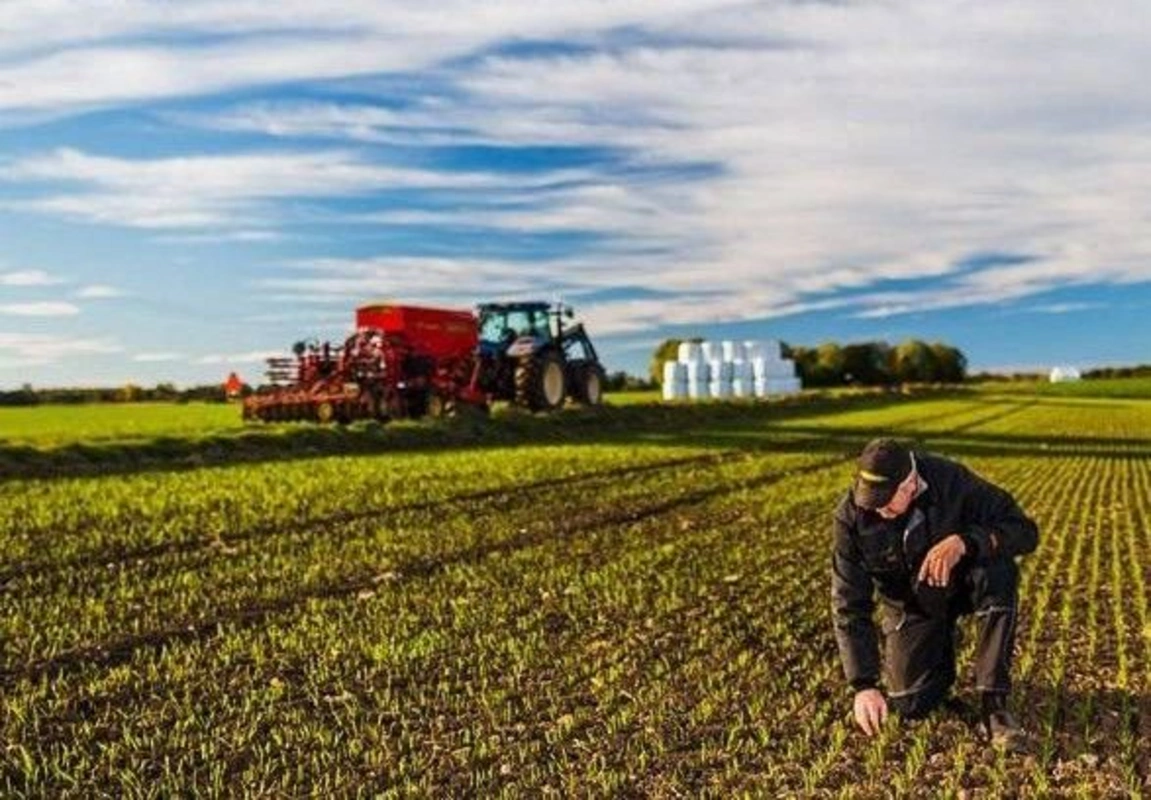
{"x":631,"y":601}
{"x":53,"y":426}
{"x":1130,"y":388}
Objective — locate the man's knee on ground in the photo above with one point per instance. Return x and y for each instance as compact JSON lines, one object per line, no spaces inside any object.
{"x":993,"y":584}
{"x":920,"y":703}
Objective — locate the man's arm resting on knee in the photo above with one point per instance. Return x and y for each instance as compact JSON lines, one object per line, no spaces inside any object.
{"x":996,"y":524}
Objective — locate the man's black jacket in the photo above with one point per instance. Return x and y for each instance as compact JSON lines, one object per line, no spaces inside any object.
{"x":874,"y":553}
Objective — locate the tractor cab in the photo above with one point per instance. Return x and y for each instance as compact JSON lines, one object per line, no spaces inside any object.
{"x":527,"y":326}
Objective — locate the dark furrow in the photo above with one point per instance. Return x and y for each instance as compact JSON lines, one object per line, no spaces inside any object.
{"x":120,"y":651}
{"x":101,"y":559}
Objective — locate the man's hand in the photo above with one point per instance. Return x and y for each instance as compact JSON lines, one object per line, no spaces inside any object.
{"x":870,"y":710}
{"x":941,"y":559}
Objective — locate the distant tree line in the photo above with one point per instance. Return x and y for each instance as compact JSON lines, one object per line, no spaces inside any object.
{"x":857,"y":364}
{"x":621,"y":381}
{"x":878,"y":363}
{"x":1137,"y":371}
{"x":129,"y":393}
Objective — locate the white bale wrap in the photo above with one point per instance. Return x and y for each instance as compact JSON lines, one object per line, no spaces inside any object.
{"x":674,"y":390}
{"x":698,"y":390}
{"x":777,"y":386}
{"x":742,"y":371}
{"x":688,"y":352}
{"x":770,"y":368}
{"x":742,"y":387}
{"x":721,"y":371}
{"x":732,"y":351}
{"x":697,"y":372}
{"x":720,"y":390}
{"x":711,"y":351}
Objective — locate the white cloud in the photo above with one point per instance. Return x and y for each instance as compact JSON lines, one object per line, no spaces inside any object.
{"x":27,"y":349}
{"x":254,"y":357}
{"x":29,"y":278}
{"x":1063,"y":308}
{"x":158,"y":357}
{"x":98,"y":291}
{"x":226,"y":191}
{"x":214,"y":46}
{"x":47,"y":308}
{"x":841,"y":145}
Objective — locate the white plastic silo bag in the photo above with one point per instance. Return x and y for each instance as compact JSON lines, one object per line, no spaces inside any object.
{"x":742,"y":371}
{"x":697,"y":390}
{"x":711,"y":351}
{"x":742,"y":387}
{"x":752,"y":350}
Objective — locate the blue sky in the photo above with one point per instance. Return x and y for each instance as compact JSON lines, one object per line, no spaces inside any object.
{"x":187,"y":188}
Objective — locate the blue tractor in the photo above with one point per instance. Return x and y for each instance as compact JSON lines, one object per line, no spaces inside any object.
{"x":533,"y":357}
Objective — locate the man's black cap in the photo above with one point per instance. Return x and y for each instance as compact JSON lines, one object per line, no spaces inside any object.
{"x":883,"y":465}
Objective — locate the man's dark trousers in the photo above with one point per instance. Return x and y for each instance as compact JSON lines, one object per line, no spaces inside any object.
{"x":920,"y":649}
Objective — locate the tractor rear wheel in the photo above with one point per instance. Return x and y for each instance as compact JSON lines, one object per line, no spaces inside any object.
{"x":540,"y":383}
{"x":589,"y":388}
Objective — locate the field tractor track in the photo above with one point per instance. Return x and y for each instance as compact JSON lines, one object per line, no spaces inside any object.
{"x":116,"y":556}
{"x":120,"y":651}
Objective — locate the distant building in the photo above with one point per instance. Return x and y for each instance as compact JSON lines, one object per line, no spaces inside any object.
{"x":1064,"y":375}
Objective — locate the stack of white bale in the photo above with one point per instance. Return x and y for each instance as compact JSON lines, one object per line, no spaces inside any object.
{"x":722,"y":370}
{"x":772,"y":373}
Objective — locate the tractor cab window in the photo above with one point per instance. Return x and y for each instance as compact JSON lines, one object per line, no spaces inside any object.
{"x":506,"y":325}
{"x":575,"y":349}
{"x":493,"y":326}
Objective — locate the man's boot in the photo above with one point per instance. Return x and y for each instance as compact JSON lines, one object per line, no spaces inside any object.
{"x":999,"y":726}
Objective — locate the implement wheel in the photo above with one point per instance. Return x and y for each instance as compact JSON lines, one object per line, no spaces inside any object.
{"x":325,"y":412}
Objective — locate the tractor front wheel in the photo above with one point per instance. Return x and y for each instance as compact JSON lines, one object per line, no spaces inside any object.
{"x":589,"y":390}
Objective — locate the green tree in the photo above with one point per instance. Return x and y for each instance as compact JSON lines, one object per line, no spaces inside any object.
{"x":913,"y":361}
{"x":867,"y":363}
{"x":950,"y":363}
